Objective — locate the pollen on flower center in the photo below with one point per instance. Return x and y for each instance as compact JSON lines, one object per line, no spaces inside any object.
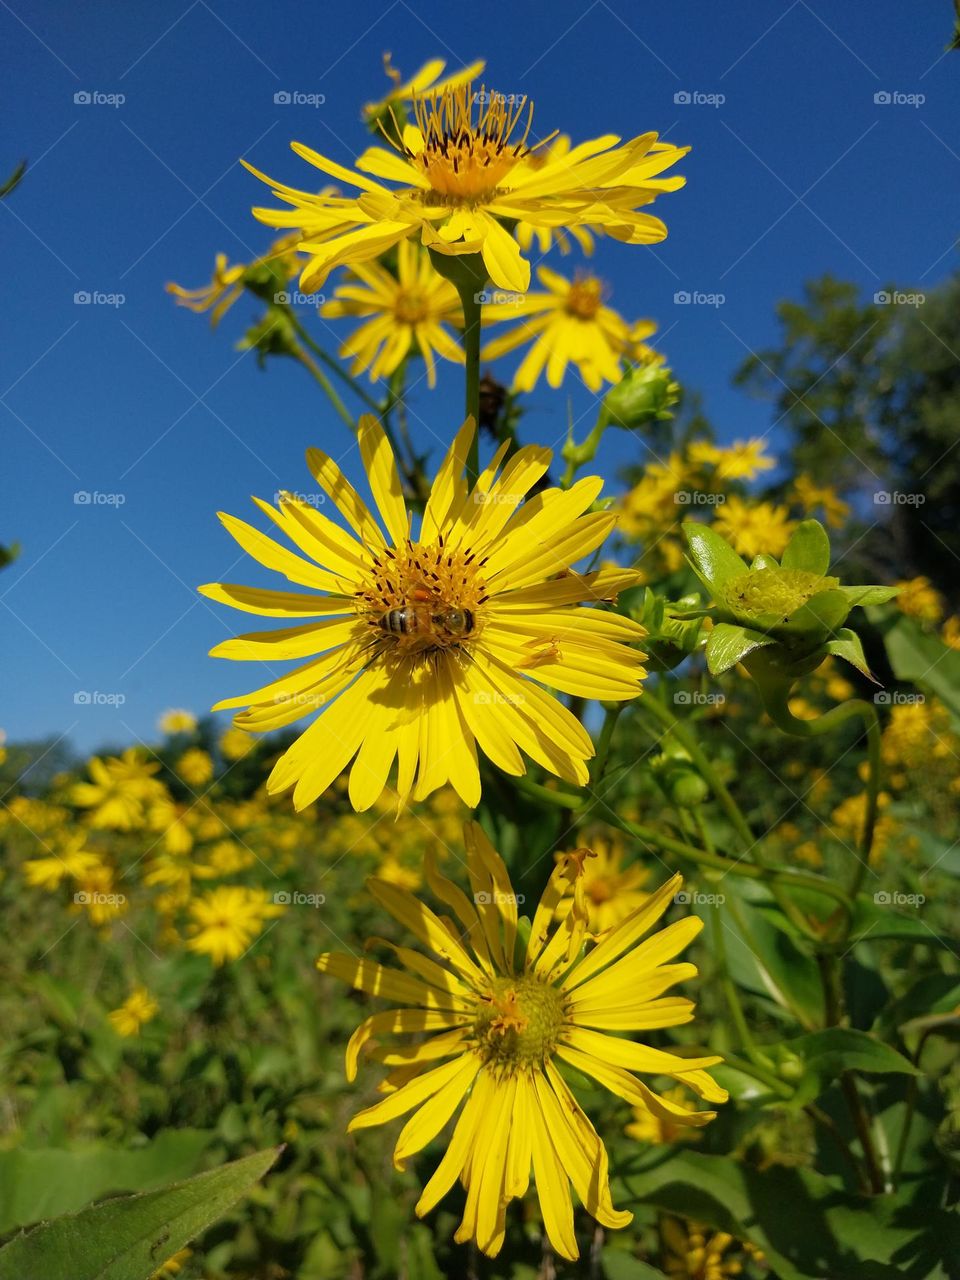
{"x":584,"y":298}
{"x":421,"y":597}
{"x":411,"y":307}
{"x":518,"y":1022}
{"x":780,"y":591}
{"x":467,"y":160}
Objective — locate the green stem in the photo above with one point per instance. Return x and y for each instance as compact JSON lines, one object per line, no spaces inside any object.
{"x":472,"y":310}
{"x":610,"y":719}
{"x":333,"y":365}
{"x":468,"y":275}
{"x":312,"y":367}
{"x":761,"y":1073}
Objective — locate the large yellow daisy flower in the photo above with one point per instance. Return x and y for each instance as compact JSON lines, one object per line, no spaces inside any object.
{"x":407,"y":310}
{"x":463,"y":169}
{"x":429,"y":646}
{"x":506,"y":1013}
{"x":567,"y":324}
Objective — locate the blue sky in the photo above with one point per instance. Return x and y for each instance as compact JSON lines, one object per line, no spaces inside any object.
{"x":796,"y":170}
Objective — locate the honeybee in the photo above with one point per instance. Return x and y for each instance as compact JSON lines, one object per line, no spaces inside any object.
{"x":414,"y":620}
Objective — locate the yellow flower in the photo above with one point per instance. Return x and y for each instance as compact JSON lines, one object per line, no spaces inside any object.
{"x":908,"y":735}
{"x":235,"y":744}
{"x":138,"y":1009}
{"x":503,"y":1024}
{"x":393,"y":871}
{"x":649,"y":1127}
{"x":195,"y":767}
{"x":463,"y":169}
{"x":403,"y":312}
{"x":73,"y":860}
{"x":429,"y":647}
{"x":176,"y":720}
{"x":754,"y":528}
{"x":690,"y":1252}
{"x":226,"y":921}
{"x":743,"y":460}
{"x":610,"y":890}
{"x":920,"y":599}
{"x":121,"y":788}
{"x":427,"y":79}
{"x":227,"y":284}
{"x":173,"y":1266}
{"x":651,"y":505}
{"x":567,"y":323}
{"x":97,"y":894}
{"x":812,"y":497}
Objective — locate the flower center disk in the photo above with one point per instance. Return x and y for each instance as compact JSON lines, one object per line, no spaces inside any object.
{"x":519,"y":1022}
{"x":583,"y":300}
{"x":421,"y":598}
{"x":779,"y":591}
{"x":466,"y":160}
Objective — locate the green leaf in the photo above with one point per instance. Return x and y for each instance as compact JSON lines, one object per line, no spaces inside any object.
{"x":617,"y":1264}
{"x":824,"y":612}
{"x":728,"y":643}
{"x":806,"y":1224}
{"x":924,"y":660}
{"x":129,"y":1239}
{"x":765,"y":958}
{"x":37,"y":1184}
{"x":825,"y":1054}
{"x":869,"y":595}
{"x":808,"y":548}
{"x":878,"y":918}
{"x":714,"y":559}
{"x":763,"y":561}
{"x":847,"y":645}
